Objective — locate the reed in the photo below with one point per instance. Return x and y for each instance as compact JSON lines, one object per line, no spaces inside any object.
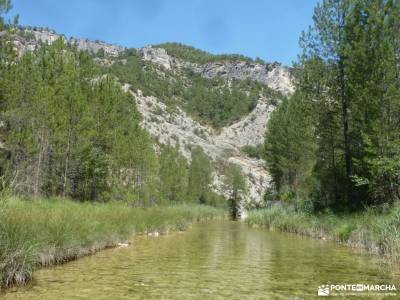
{"x":376,"y":231}
{"x":45,"y":232}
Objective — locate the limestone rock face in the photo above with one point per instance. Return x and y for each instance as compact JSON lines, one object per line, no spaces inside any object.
{"x":30,"y":39}
{"x":95,"y":47}
{"x":178,"y":127}
{"x":251,"y":129}
{"x":275,"y":75}
{"x":158,"y":56}
{"x":44,"y":36}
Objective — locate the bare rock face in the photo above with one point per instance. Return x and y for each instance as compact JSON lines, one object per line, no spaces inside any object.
{"x":175,"y":127}
{"x":44,"y":36}
{"x":275,"y":75}
{"x":23,"y":43}
{"x":280,"y":79}
{"x":250,"y":130}
{"x":30,"y":39}
{"x":95,"y":47}
{"x":179,"y":128}
{"x":158,"y":56}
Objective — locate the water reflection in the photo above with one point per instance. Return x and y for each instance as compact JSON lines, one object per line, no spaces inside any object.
{"x":215,"y":260}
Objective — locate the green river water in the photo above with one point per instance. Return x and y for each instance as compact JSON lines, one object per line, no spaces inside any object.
{"x":215,"y":260}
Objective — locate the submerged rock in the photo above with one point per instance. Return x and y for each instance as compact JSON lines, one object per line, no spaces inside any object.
{"x":154,"y":233}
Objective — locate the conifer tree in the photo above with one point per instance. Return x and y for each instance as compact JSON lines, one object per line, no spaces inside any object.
{"x":199,"y":176}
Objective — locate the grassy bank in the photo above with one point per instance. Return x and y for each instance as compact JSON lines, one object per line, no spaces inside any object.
{"x":377,"y":232}
{"x":37,"y":233}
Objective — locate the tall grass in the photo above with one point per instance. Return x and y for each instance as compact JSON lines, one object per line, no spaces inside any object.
{"x":53,"y":231}
{"x":377,"y":232}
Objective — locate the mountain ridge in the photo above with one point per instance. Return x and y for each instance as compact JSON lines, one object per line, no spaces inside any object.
{"x":176,"y":126}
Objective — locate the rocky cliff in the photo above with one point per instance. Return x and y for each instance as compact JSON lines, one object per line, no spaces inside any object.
{"x":29,"y":39}
{"x":226,"y":143}
{"x":177,"y":126}
{"x":275,"y":75}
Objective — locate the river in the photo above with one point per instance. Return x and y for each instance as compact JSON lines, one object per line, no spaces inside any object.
{"x":215,"y":260}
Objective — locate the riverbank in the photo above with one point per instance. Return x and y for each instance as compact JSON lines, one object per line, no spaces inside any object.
{"x":376,"y":232}
{"x":36,"y":233}
{"x":212,"y":260}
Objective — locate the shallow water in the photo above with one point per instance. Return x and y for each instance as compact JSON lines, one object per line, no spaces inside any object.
{"x":215,"y":260}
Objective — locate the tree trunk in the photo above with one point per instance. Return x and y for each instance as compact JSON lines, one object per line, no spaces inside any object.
{"x":66,"y":163}
{"x":39,"y":165}
{"x":345,"y":122}
{"x":334,"y":164}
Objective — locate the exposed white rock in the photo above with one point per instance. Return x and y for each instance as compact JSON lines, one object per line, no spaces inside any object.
{"x":44,"y":36}
{"x":279,"y":79}
{"x":154,"y":233}
{"x":95,"y":47}
{"x":275,"y":75}
{"x":31,"y":39}
{"x":177,"y":127}
{"x":251,"y":129}
{"x":158,"y":56}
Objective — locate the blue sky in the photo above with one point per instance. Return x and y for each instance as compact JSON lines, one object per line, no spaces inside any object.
{"x":269,"y":29}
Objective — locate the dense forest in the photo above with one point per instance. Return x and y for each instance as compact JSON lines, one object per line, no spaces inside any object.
{"x":68,"y":129}
{"x":335,"y":143}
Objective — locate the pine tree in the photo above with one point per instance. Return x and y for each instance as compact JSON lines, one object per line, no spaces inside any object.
{"x":173,"y":174}
{"x":199,"y":176}
{"x":235,"y":183}
{"x":348,"y":81}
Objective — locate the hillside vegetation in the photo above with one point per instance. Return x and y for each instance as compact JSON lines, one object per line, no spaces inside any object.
{"x":68,"y":129}
{"x":213,"y":101}
{"x":194,"y":55}
{"x":335,"y":143}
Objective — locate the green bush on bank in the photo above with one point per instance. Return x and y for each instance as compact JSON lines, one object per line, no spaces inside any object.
{"x":377,"y":232}
{"x":53,"y":231}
